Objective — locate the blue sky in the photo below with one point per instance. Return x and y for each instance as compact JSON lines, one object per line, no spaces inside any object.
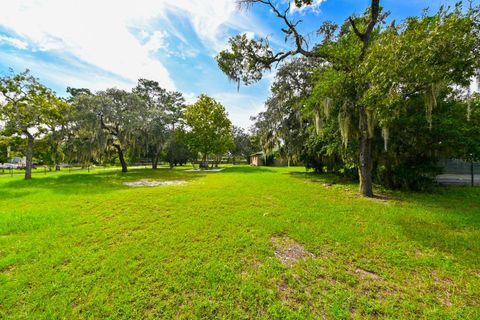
{"x":109,"y":43}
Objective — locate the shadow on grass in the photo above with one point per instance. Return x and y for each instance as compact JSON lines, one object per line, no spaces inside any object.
{"x":89,"y":183}
{"x":443,"y":219}
{"x":247,"y":169}
{"x":326,"y":178}
{"x":452,"y":235}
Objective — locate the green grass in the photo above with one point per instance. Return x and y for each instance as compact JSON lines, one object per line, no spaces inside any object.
{"x":82,"y":245}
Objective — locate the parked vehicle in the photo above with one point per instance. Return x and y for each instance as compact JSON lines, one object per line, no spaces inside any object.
{"x":9,"y":166}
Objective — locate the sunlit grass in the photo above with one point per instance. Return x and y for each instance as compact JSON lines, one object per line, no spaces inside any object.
{"x":83,"y":245}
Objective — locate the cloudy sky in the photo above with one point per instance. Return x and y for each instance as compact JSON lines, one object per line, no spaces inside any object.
{"x":111,"y":43}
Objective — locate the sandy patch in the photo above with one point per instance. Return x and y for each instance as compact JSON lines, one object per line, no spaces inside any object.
{"x":365,"y":274}
{"x":205,"y":170}
{"x":289,"y":251}
{"x":153,"y":183}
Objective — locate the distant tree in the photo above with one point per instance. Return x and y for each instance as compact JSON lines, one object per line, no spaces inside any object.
{"x":11,"y":147}
{"x":282,"y":125}
{"x":108,"y":119}
{"x":78,"y":91}
{"x":177,"y":152}
{"x":164,"y":111}
{"x":175,"y":108}
{"x":153,"y":132}
{"x":210,"y":129}
{"x":29,"y":109}
{"x":243,"y":146}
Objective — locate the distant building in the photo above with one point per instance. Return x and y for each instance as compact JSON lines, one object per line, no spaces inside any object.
{"x":257,"y":159}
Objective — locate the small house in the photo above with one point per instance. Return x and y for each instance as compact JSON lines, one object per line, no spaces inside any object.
{"x":257,"y":159}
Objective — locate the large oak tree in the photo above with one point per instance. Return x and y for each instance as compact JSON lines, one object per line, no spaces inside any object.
{"x":361,"y":65}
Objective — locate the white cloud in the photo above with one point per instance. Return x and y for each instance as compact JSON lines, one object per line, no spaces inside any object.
{"x":77,"y":76}
{"x":240,"y":107}
{"x":314,"y":7}
{"x":105,"y":43}
{"x":14,"y":42}
{"x":156,"y":41}
{"x":100,"y":32}
{"x":96,"y":32}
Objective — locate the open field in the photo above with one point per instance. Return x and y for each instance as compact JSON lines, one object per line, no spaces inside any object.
{"x":83,"y":245}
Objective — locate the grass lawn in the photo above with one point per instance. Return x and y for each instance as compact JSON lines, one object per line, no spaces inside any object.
{"x":83,"y":245}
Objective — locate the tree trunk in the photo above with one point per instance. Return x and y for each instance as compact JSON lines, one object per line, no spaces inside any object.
{"x":365,"y":160}
{"x":29,"y":156}
{"x":204,"y":164}
{"x":155,"y":162}
{"x":121,"y":157}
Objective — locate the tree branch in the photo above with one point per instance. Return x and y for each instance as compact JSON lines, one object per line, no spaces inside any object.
{"x":365,"y":36}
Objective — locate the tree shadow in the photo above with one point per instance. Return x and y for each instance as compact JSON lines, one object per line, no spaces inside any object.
{"x":446,"y":219}
{"x":247,"y":169}
{"x":323,"y":178}
{"x":449,"y":235}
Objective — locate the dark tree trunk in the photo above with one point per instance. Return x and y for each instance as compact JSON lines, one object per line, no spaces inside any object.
{"x":29,"y":156}
{"x":365,"y":160}
{"x":155,"y":162}
{"x":121,"y":157}
{"x":204,"y":164}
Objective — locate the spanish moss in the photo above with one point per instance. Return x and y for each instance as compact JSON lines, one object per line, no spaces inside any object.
{"x":344,"y":125}
{"x":431,"y":101}
{"x":386,"y":137}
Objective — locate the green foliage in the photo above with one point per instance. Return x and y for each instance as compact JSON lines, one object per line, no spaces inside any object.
{"x":29,"y":107}
{"x":424,"y":56}
{"x":177,"y":152}
{"x":11,"y":147}
{"x":242,"y":144}
{"x":210,"y":129}
{"x":104,"y":123}
{"x":246,"y":60}
{"x":405,"y":81}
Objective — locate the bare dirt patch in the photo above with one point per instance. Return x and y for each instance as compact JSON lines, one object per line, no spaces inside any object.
{"x":205,"y":170}
{"x":365,"y":274}
{"x":154,"y":183}
{"x":288,"y":251}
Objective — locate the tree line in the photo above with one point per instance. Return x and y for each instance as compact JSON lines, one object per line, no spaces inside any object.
{"x":377,"y":101}
{"x":148,"y":123}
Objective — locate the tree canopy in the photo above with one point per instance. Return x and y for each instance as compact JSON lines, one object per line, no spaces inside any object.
{"x":364,"y":71}
{"x":210,"y":129}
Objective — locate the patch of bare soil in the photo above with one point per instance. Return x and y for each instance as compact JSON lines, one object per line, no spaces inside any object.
{"x":288,"y":251}
{"x":365,"y":274}
{"x":154,"y":183}
{"x":444,"y":287}
{"x":205,"y":170}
